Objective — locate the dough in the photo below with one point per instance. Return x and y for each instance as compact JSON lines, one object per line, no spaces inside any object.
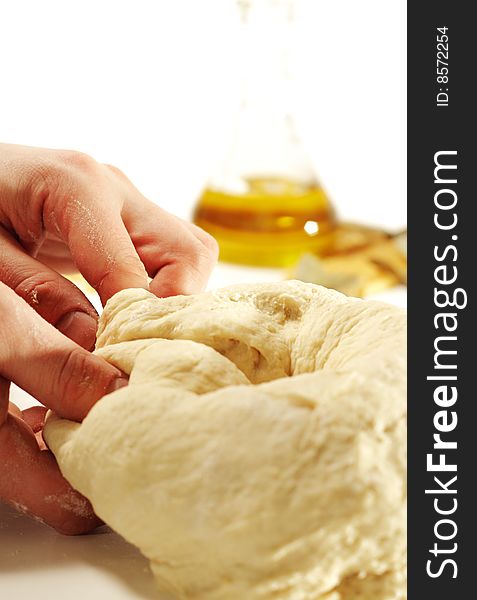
{"x":259,"y":449}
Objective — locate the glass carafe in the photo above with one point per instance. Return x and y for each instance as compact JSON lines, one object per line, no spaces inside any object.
{"x":264,"y":204}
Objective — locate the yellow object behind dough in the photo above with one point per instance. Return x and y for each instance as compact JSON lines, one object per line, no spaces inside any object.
{"x":259,"y":449}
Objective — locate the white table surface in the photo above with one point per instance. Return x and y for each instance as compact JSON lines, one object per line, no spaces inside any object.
{"x":39,"y":564}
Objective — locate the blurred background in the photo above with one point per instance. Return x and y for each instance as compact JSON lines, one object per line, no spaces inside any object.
{"x":154,"y":86}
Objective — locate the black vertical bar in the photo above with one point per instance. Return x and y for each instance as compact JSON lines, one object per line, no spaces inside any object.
{"x":450,"y":126}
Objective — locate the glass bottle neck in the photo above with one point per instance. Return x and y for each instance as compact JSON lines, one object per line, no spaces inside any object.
{"x":267,"y":37}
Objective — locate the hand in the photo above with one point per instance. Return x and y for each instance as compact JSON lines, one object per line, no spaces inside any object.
{"x":60,"y":210}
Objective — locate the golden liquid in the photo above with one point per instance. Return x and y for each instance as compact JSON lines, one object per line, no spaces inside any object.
{"x":272,"y":224}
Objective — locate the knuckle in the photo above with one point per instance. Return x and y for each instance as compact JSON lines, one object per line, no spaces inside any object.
{"x":56,"y":180}
{"x":202,"y":254}
{"x":66,"y":172}
{"x":75,"y":375}
{"x":82,"y":379}
{"x":79,"y":161}
{"x":40,"y":182}
{"x":116,"y":171}
{"x":59,"y":168}
{"x":39,"y":289}
{"x":126,"y":264}
{"x":189,"y":253}
{"x":212,"y":246}
{"x":74,"y":365}
{"x":197,"y":264}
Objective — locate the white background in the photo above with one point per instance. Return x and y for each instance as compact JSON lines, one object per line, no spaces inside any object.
{"x":150,"y":86}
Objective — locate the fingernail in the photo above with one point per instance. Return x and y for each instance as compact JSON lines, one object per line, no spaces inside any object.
{"x":117,"y":384}
{"x":79,"y":327}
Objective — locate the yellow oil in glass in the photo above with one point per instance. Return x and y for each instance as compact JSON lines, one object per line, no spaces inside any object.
{"x":272,"y":224}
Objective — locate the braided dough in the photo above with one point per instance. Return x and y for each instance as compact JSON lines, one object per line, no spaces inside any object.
{"x":259,"y":449}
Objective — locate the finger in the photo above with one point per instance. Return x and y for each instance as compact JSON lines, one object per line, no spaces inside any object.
{"x":208,"y":241}
{"x":14,"y":410}
{"x":4,"y":404}
{"x":55,"y":254}
{"x":56,"y":371}
{"x":31,"y":481}
{"x":34,"y":417}
{"x":179,"y":260}
{"x":89,"y":221}
{"x":53,"y":297}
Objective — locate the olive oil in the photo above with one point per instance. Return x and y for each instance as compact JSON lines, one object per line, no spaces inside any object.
{"x":263,"y":202}
{"x":271,"y":223}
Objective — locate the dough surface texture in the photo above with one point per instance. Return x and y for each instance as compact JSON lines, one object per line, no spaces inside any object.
{"x":258,"y":451}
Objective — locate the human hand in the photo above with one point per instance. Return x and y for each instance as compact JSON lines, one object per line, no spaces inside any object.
{"x":59,"y":209}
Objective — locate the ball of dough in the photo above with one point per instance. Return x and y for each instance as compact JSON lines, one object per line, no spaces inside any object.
{"x":259,"y":449}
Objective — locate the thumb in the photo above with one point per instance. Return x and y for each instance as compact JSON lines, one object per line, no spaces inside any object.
{"x":56,"y":371}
